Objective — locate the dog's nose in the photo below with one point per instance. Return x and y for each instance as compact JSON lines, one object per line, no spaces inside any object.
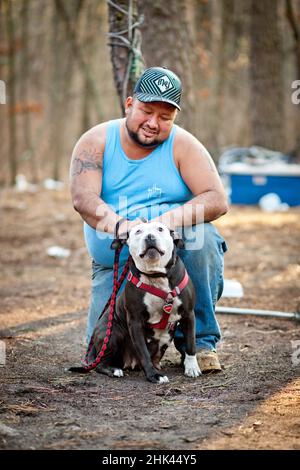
{"x":150,"y":237}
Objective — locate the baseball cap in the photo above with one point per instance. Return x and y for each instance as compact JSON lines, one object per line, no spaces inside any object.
{"x":158,"y":84}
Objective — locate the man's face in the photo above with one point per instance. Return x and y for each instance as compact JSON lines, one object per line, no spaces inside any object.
{"x":149,"y":124}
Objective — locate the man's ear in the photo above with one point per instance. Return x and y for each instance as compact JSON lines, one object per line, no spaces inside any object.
{"x":178,"y":242}
{"x":128,"y":104}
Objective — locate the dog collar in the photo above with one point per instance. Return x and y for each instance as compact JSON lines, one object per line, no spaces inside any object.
{"x":167,"y":296}
{"x":168,"y":267}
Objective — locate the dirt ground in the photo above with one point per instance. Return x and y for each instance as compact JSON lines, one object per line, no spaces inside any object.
{"x":254,"y":403}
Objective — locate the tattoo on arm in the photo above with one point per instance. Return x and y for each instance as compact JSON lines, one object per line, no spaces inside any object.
{"x":87,"y":160}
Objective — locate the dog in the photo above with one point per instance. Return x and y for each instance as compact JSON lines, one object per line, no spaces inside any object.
{"x":158,"y":295}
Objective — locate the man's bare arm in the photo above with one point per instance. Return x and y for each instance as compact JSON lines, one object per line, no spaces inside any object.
{"x":200,"y":175}
{"x":203,"y":208}
{"x":86,"y":181}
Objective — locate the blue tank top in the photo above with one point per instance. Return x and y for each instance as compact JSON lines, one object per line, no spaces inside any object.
{"x":135,"y":188}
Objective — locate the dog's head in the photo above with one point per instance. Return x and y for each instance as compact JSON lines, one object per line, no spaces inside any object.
{"x":151,"y":246}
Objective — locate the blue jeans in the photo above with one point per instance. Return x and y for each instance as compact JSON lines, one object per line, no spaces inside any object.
{"x":204,"y":265}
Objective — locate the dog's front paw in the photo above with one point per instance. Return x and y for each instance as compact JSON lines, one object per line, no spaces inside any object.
{"x":163,"y":379}
{"x":157,"y":378}
{"x":191,"y":368}
{"x":118,"y":373}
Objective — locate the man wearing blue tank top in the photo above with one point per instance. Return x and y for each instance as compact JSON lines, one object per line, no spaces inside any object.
{"x":144,"y":165}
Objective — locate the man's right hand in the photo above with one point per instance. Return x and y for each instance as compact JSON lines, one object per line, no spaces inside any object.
{"x":126,"y":226}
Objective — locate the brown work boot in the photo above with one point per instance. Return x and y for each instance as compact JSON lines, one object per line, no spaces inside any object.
{"x":208,"y":361}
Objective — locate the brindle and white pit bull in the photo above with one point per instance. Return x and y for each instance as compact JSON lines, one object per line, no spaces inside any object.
{"x":144,"y":323}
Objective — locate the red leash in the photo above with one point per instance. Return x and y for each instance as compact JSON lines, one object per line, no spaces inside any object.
{"x":112,"y":305}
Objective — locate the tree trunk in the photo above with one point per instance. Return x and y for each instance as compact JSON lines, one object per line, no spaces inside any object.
{"x":222,"y":58}
{"x":57,"y":117}
{"x":3,"y":99}
{"x":24,"y":87}
{"x":295,"y":27}
{"x":203,"y":23}
{"x":127,"y":62}
{"x":166,"y":42}
{"x":13,"y":165}
{"x":266,"y":85}
{"x":92,"y":21}
{"x":294,"y":24}
{"x":76,"y":48}
{"x":63,"y":57}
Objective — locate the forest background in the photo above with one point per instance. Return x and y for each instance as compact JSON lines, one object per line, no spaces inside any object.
{"x":238,"y":61}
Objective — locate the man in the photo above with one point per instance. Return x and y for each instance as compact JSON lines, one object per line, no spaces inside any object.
{"x":146,"y":166}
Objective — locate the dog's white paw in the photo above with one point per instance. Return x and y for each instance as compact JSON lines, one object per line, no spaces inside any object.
{"x":118,"y":373}
{"x":163,"y":380}
{"x":191,"y":368}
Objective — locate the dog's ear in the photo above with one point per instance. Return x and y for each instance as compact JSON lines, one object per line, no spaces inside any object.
{"x":178,"y":242}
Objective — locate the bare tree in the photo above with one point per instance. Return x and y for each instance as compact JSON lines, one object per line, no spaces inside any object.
{"x":167,"y":42}
{"x":267,"y":104}
{"x":57,"y":115}
{"x":295,"y":27}
{"x":75,"y":44}
{"x":3,"y":106}
{"x":65,"y":23}
{"x":13,"y":163}
{"x":223,"y":51}
{"x":125,"y":42}
{"x":24,"y":90}
{"x":87,"y":93}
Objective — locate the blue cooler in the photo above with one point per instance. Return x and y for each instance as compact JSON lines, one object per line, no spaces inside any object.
{"x":249,"y":183}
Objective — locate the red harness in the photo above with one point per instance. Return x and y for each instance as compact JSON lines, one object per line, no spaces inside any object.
{"x":167,"y":296}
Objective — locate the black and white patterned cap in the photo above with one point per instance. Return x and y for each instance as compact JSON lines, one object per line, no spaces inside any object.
{"x":158,"y":84}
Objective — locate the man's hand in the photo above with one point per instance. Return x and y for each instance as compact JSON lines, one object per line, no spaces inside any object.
{"x":126,"y":226}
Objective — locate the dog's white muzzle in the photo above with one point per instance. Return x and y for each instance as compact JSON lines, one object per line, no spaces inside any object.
{"x":150,"y":244}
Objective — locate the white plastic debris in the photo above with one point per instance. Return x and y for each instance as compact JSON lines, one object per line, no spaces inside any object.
{"x":232,"y":289}
{"x":53,"y":184}
{"x":58,"y":252}
{"x":23,"y":185}
{"x":271,"y":202}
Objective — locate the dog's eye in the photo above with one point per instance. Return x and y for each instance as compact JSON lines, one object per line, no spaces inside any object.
{"x":138,"y":232}
{"x":160,"y":229}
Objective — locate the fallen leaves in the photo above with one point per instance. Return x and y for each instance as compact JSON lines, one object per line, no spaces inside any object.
{"x":28,"y":408}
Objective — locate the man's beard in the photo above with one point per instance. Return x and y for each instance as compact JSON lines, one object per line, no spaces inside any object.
{"x":134,"y":136}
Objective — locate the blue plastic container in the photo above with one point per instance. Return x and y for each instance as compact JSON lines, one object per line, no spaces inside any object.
{"x":248,"y":184}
